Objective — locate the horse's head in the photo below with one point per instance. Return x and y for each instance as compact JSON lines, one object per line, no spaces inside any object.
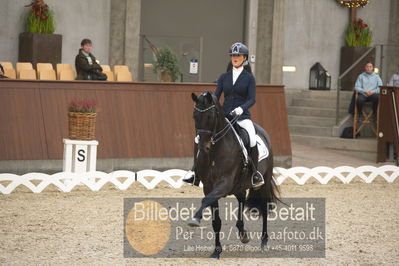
{"x":207,"y":111}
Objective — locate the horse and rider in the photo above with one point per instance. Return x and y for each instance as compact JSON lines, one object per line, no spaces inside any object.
{"x":239,"y":88}
{"x":219,"y":156}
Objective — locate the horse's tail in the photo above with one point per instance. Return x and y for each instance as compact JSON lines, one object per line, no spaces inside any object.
{"x":269,"y":192}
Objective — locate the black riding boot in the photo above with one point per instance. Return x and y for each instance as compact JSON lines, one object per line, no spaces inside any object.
{"x":257,"y":178}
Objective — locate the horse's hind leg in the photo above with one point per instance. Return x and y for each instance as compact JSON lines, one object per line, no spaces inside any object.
{"x":217,"y":225}
{"x":240,"y":222}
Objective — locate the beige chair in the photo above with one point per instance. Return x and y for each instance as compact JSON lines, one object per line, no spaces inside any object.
{"x":110,"y":75}
{"x":43,"y":66}
{"x":27,"y":74}
{"x":23,"y":65}
{"x":105,"y":68}
{"x":47,"y":74}
{"x":124,"y":76}
{"x":10,"y":73}
{"x":118,"y":68}
{"x":61,"y":67}
{"x":7,"y":65}
{"x":67,"y":74}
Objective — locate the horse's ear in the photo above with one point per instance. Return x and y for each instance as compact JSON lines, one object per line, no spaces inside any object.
{"x":194,"y":97}
{"x":209,"y":97}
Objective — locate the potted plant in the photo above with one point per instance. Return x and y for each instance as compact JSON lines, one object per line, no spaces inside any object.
{"x":358,"y":34}
{"x":40,"y":19}
{"x":82,"y":119}
{"x":167,"y":65}
{"x":358,"y":39}
{"x":39,"y":44}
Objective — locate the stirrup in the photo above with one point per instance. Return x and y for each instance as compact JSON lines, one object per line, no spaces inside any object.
{"x":260,"y":183}
{"x":189,"y":178}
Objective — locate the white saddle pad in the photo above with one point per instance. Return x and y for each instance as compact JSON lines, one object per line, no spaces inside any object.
{"x":262,"y":148}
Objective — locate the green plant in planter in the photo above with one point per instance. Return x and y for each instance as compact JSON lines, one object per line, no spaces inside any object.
{"x":358,"y":34}
{"x":167,"y":63}
{"x":40,"y":19}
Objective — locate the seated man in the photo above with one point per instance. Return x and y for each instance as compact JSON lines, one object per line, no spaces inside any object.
{"x":86,"y":65}
{"x":2,"y":72}
{"x":394,"y":81}
{"x":368,"y":86}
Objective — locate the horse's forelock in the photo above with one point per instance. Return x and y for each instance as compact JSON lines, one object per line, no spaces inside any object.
{"x":203,"y":99}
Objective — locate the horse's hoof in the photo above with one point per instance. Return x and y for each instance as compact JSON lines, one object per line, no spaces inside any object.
{"x":244,"y":237}
{"x":195,"y":222}
{"x":216,"y":253}
{"x":263,"y":245}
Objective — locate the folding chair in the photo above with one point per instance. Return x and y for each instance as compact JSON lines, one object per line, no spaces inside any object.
{"x":67,"y":74}
{"x":110,"y":75}
{"x":47,"y":74}
{"x":7,"y":65}
{"x":43,"y":66}
{"x":23,"y":65}
{"x":124,"y":76}
{"x":367,"y":115}
{"x":27,"y":74}
{"x":10,"y":73}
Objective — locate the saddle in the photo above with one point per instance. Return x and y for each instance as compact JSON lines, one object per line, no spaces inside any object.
{"x":243,"y":134}
{"x":243,"y":140}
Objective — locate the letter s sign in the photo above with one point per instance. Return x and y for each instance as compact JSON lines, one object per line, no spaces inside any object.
{"x":81,"y":155}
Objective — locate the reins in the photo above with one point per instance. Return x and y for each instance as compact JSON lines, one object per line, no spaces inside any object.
{"x":216,"y":136}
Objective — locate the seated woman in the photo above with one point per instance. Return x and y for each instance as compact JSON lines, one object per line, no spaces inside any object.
{"x":86,"y":65}
{"x":2,"y":73}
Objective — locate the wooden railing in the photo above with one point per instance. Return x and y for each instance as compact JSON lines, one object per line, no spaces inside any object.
{"x":135,"y":120}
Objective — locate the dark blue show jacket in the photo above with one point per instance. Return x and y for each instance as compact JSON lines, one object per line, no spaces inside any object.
{"x":241,"y":94}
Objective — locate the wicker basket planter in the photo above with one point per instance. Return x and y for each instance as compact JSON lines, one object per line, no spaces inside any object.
{"x":82,"y":126}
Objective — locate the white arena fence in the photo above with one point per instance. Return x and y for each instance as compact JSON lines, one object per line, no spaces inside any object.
{"x":66,"y":181}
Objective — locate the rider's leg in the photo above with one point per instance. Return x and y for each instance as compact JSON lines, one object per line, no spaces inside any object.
{"x":257,"y":178}
{"x":190,"y":177}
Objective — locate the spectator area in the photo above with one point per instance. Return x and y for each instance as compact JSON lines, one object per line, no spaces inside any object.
{"x":62,"y":72}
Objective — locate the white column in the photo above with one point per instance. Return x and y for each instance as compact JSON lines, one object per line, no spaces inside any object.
{"x":251,"y":30}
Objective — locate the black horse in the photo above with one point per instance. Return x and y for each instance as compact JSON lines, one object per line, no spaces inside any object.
{"x":219,"y":163}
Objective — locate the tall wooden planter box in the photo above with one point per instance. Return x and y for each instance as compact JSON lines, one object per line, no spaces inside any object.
{"x":349,"y":55}
{"x":40,"y":48}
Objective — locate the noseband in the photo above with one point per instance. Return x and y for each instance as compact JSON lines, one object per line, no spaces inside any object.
{"x":215,"y":136}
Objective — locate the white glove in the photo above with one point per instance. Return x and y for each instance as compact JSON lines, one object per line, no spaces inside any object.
{"x":238,"y":111}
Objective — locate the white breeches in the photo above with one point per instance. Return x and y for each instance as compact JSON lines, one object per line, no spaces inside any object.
{"x":249,"y":127}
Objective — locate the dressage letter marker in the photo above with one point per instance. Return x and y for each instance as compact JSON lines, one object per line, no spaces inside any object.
{"x":80,"y":155}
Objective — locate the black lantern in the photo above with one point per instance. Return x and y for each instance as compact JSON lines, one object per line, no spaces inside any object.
{"x":319,"y":78}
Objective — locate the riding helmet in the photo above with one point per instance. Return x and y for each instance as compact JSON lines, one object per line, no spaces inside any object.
{"x":238,"y":48}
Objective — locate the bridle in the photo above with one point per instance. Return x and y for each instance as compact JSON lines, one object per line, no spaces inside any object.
{"x":215,"y":136}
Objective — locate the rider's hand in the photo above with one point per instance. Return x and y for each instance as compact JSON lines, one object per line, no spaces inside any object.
{"x":237,"y":111}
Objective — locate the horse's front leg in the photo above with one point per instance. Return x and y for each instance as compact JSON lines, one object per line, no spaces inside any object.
{"x":217,"y":225}
{"x":219,"y":191}
{"x":240,"y":222}
{"x":265,"y":236}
